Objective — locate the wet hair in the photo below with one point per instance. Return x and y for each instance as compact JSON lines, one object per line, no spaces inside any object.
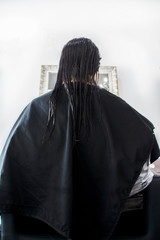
{"x":78,"y":67}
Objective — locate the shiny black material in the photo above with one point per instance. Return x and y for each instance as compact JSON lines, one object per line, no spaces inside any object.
{"x":78,"y":191}
{"x":141,"y":224}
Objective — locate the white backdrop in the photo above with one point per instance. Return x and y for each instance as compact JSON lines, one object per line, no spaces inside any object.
{"x":33,"y":32}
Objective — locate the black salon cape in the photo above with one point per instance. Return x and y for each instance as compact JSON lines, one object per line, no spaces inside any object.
{"x":79,"y":192}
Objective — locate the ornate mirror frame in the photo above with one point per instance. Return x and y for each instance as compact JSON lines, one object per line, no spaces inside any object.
{"x":107,"y":78}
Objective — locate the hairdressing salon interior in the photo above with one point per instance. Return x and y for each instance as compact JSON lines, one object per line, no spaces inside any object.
{"x":126,"y":32}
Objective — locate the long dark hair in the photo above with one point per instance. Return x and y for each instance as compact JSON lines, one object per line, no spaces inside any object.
{"x":78,"y":67}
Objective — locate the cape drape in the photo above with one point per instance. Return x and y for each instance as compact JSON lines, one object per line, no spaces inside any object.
{"x":78,"y":191}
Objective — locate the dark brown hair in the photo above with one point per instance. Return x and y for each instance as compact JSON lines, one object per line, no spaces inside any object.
{"x":79,"y":64}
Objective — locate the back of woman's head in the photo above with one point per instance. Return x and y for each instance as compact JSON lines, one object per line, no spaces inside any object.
{"x":78,"y":67}
{"x":79,"y":61}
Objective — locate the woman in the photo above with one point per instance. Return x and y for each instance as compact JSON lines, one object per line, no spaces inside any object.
{"x":76,"y":173}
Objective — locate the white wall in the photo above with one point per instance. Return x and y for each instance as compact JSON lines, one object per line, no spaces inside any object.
{"x":32,"y":33}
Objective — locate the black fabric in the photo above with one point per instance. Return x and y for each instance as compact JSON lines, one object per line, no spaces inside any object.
{"x":142,"y":224}
{"x":18,"y":227}
{"x":77,"y":191}
{"x":155,"y":153}
{"x":134,"y":202}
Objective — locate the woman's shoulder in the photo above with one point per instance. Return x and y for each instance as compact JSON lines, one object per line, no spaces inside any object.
{"x":42,"y":99}
{"x":113,"y":103}
{"x":107,"y":94}
{"x":110,"y":98}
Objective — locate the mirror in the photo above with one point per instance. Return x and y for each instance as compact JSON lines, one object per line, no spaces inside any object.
{"x":107,"y":78}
